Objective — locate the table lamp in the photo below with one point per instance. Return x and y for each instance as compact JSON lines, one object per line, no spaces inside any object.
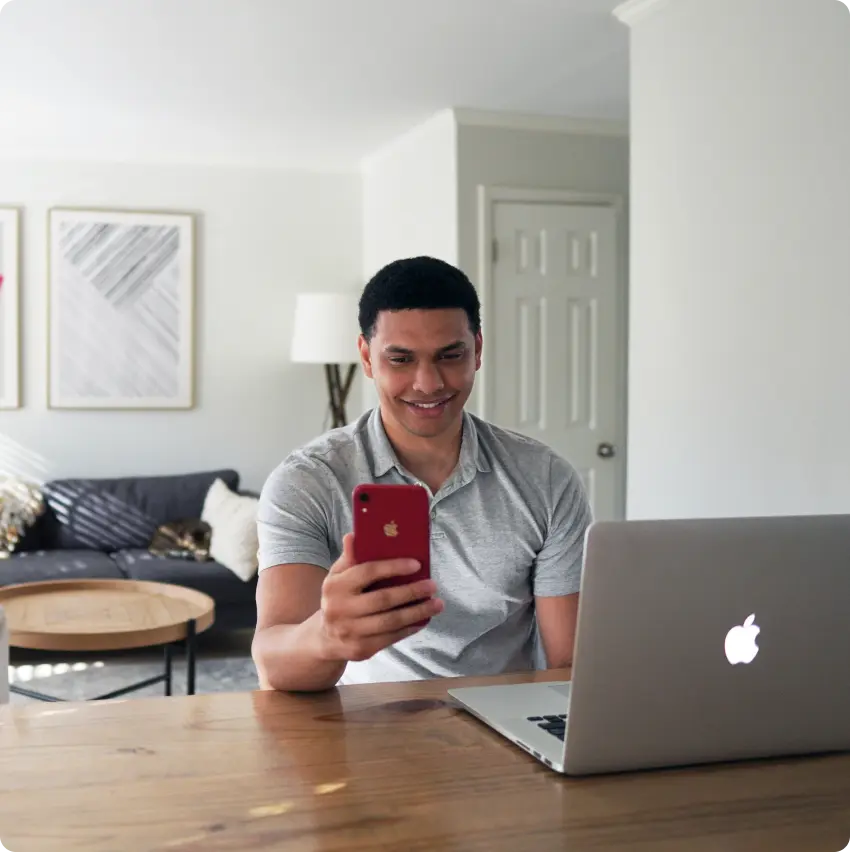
{"x":326,"y":330}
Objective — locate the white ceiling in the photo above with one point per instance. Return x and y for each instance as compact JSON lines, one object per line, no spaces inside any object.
{"x":312,"y":83}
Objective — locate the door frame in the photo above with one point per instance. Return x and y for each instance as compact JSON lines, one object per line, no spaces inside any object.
{"x":488,"y":197}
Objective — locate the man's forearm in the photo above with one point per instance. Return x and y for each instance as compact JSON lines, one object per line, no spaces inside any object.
{"x":289,"y":657}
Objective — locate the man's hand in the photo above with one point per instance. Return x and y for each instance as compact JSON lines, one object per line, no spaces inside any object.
{"x":312,"y":622}
{"x":355,"y":623}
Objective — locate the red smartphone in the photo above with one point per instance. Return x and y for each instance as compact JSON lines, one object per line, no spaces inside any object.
{"x":392,"y":522}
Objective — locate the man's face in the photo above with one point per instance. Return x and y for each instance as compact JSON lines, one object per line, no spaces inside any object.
{"x":423,"y":363}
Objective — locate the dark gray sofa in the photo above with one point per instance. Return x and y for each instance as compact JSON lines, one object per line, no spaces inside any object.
{"x":101,"y":528}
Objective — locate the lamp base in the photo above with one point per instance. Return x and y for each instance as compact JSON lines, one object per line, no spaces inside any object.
{"x":338,"y":391}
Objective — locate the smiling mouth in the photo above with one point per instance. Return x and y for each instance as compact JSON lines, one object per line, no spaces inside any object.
{"x":430,"y":406}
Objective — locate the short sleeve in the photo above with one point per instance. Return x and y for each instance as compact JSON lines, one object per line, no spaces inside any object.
{"x":557,"y":569}
{"x":292,"y":516}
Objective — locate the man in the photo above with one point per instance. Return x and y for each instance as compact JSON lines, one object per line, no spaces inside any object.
{"x":508,"y":515}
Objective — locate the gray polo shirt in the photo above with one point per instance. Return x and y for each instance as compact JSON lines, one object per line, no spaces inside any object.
{"x":507,"y":526}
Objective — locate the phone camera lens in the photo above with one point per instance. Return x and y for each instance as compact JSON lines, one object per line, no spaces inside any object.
{"x":364,"y":498}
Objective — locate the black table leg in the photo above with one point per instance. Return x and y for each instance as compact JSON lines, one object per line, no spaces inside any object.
{"x":133,"y":687}
{"x":31,"y":693}
{"x":166,"y":677}
{"x":168,"y":660}
{"x":190,"y":657}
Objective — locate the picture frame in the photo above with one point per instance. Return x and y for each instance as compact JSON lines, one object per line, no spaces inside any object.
{"x":10,"y":308}
{"x":121,"y":309}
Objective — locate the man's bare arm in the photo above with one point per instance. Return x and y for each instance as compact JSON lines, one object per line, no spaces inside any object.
{"x":556,"y":618}
{"x":287,"y":647}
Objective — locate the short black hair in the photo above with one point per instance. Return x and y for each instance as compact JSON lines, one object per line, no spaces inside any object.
{"x":417,"y":283}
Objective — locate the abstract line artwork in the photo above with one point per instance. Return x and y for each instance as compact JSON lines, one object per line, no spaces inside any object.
{"x":121,"y":308}
{"x":10,"y":347}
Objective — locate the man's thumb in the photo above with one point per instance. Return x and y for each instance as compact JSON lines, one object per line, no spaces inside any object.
{"x":347,"y":559}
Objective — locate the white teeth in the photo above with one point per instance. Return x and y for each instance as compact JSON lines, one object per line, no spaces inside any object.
{"x":427,"y":405}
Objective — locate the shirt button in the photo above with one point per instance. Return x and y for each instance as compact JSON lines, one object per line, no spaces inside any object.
{"x":433,"y":514}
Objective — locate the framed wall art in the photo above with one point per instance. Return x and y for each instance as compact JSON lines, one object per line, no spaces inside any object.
{"x":121,"y":305}
{"x":10,"y":309}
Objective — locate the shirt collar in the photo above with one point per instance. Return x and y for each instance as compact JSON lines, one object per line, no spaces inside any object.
{"x":384,"y":457}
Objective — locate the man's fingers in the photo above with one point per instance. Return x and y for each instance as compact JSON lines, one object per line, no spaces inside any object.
{"x":365,"y":622}
{"x":381,"y":600}
{"x":398,"y":620}
{"x":370,"y":572}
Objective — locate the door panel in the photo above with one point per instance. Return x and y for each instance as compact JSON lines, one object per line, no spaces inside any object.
{"x":553,"y":352}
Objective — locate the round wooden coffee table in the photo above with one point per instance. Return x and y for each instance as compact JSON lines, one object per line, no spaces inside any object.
{"x":107,"y":615}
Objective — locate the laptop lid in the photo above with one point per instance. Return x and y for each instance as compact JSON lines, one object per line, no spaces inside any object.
{"x":711,"y":639}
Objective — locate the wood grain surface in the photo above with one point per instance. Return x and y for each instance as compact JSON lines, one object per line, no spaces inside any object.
{"x":373,"y":767}
{"x":101,"y":615}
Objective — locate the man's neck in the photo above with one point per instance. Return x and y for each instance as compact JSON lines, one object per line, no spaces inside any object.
{"x":430,"y":459}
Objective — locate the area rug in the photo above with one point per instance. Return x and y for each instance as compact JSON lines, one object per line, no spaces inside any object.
{"x":81,"y":678}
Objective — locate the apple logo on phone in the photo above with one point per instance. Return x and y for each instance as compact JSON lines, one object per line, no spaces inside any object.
{"x":741,"y":642}
{"x":391,"y":529}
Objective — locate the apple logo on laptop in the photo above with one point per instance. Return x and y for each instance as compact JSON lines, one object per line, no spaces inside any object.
{"x":741,"y":642}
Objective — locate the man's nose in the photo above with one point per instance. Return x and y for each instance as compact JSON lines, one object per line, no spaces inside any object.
{"x":428,"y":379}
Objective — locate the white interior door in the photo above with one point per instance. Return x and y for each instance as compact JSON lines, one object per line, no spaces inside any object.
{"x":554,"y":345}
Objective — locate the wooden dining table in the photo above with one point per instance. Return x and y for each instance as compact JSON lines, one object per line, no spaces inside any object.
{"x":394,"y":766}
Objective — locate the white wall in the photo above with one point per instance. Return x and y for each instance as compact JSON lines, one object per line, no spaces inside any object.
{"x":410,"y":202}
{"x":540,"y":159}
{"x":263,"y":236}
{"x":740,"y":301}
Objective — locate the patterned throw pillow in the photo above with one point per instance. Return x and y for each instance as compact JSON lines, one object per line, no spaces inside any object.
{"x":21,"y":504}
{"x":187,"y":539}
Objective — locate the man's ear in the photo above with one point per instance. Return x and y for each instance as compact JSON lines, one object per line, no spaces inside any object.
{"x":365,"y":356}
{"x":479,"y":345}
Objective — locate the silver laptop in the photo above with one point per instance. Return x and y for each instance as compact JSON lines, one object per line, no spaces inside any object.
{"x":697,"y":641}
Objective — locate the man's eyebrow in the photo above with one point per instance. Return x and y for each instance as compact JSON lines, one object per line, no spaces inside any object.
{"x":401,"y":350}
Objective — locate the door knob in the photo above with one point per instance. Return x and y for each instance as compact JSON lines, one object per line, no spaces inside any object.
{"x":605,"y":451}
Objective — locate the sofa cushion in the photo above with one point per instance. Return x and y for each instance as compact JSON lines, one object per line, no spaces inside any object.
{"x":39,"y":565}
{"x":122,"y":513}
{"x":210,"y":577}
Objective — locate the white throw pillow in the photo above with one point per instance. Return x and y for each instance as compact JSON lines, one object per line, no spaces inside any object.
{"x":233,"y":518}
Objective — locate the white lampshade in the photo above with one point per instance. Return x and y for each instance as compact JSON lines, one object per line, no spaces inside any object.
{"x":326,"y":328}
